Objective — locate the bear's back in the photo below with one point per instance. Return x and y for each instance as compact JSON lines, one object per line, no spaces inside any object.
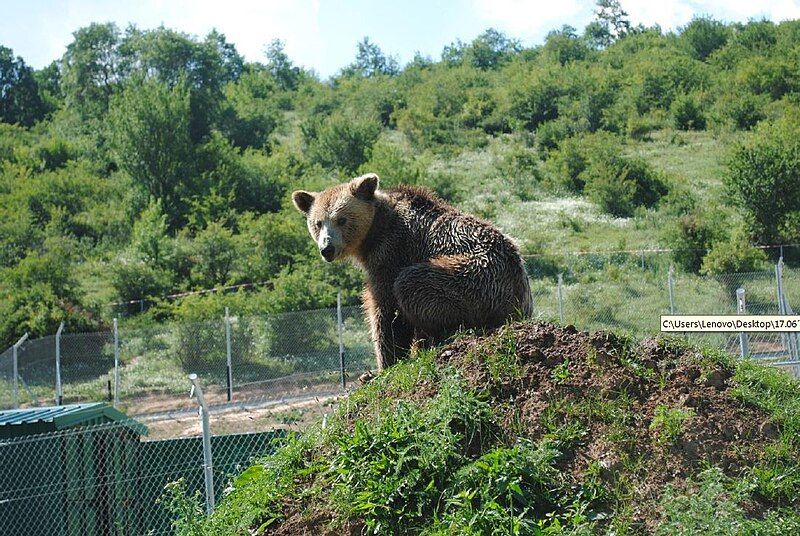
{"x":437,"y":228}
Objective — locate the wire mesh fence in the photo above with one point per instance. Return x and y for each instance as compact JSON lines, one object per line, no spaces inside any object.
{"x":633,"y":302}
{"x":271,"y":357}
{"x":108,"y":480}
{"x":296,"y":355}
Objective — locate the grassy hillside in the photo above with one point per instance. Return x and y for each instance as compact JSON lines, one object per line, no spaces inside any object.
{"x":144,"y":163}
{"x":536,"y":429}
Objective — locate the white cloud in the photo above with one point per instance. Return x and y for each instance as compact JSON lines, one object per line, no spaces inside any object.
{"x":250,"y":24}
{"x":531,"y":19}
{"x":671,"y":14}
{"x":668,"y":14}
{"x":315,"y":33}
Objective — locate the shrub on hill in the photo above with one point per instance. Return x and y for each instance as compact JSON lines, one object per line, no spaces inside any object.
{"x":687,"y":113}
{"x":596,"y":165}
{"x":764,"y":180}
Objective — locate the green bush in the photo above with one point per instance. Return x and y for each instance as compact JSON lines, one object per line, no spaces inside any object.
{"x":771,"y":76}
{"x":342,"y":142}
{"x":149,"y":128}
{"x":764,"y":180}
{"x":134,"y":279}
{"x":594,"y":164}
{"x":690,"y":237}
{"x":393,"y":165}
{"x":704,"y":35}
{"x":658,"y":76}
{"x":687,"y":113}
{"x":742,"y":110}
{"x":272,"y":241}
{"x":621,"y":186}
{"x":250,"y":112}
{"x":533,"y":96}
{"x":736,"y":254}
{"x":450,"y":107}
{"x":215,"y":252}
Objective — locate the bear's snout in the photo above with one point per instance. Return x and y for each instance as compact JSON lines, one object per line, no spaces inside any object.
{"x":328,"y":252}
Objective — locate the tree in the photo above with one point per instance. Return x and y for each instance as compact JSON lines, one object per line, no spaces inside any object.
{"x":249,"y":111}
{"x":343,"y":142}
{"x":149,"y":240}
{"x":49,"y":81}
{"x":91,"y":69}
{"x":280,"y":66}
{"x":491,"y":49}
{"x":176,"y":59}
{"x":704,"y":35}
{"x":565,"y":46}
{"x":215,"y":252}
{"x":371,"y":61}
{"x":20,"y":101}
{"x":151,"y":142}
{"x":610,"y":25}
{"x":454,"y":52}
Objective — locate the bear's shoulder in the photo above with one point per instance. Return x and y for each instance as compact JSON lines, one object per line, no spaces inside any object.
{"x":418,"y":197}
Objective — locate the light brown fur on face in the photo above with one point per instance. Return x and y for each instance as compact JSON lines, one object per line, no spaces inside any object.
{"x":430,"y":269}
{"x":344,"y":209}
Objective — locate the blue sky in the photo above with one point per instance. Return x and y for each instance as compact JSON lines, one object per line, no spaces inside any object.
{"x":322,"y":34}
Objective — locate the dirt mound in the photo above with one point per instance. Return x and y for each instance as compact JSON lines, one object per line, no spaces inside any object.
{"x":534,"y":429}
{"x":648,"y":409}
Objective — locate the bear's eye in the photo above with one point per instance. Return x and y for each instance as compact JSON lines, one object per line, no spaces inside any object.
{"x":341,"y":221}
{"x":318,"y":224}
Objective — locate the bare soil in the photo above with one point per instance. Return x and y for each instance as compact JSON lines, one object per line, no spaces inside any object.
{"x":561,"y":368}
{"x":296,"y":416}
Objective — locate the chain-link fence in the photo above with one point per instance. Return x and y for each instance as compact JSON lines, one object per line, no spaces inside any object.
{"x":634,"y":300}
{"x":297,"y":355}
{"x":272,"y":357}
{"x":109,"y":480}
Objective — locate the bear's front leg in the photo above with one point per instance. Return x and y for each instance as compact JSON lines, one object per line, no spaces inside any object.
{"x":390,"y":332}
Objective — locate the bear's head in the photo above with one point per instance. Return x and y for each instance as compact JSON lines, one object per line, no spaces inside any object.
{"x":340,"y":217}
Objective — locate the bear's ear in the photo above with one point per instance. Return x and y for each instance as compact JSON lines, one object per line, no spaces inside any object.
{"x":364,"y":186}
{"x":303,"y":200}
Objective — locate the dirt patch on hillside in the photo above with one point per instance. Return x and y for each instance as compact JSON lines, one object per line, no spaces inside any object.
{"x":294,"y":417}
{"x":648,"y":414}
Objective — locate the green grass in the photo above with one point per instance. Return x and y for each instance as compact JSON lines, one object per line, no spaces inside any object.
{"x":668,"y":422}
{"x":713,"y":505}
{"x":430,"y":466}
{"x":693,"y":158}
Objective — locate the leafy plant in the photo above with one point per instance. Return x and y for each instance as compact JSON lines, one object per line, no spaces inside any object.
{"x":669,"y":422}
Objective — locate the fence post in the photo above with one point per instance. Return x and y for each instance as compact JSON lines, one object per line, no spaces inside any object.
{"x":741,"y":308}
{"x":560,"y":294}
{"x":341,"y":342}
{"x":671,"y":289}
{"x":59,"y":393}
{"x":208,"y":464}
{"x":789,"y":340}
{"x":116,"y":363}
{"x":229,"y":367}
{"x":15,"y":371}
{"x":642,"y":254}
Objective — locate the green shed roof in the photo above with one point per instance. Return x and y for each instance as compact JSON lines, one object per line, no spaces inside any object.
{"x":19,"y":422}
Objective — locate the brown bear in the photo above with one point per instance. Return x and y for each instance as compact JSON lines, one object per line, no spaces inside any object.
{"x":430,"y":269}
